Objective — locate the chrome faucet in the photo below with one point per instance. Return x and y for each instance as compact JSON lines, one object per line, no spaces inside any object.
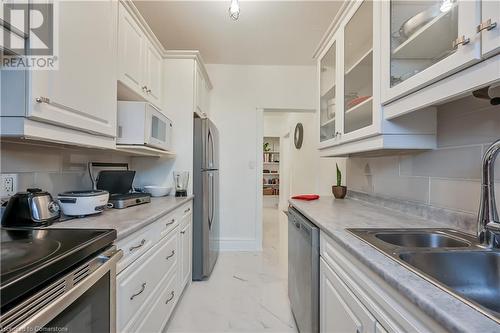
{"x":488,"y":224}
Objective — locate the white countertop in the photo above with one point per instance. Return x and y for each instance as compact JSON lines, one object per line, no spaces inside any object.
{"x":334,"y":216}
{"x":128,"y":220}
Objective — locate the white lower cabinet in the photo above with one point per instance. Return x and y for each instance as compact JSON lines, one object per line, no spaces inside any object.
{"x":341,"y":311}
{"x":353,"y":299}
{"x":154,"y":270}
{"x":156,"y":319}
{"x":185,"y":242}
{"x":140,"y":280}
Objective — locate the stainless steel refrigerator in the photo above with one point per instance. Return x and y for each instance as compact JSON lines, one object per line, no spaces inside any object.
{"x":206,"y":198}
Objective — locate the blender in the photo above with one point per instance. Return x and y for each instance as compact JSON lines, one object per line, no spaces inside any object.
{"x":181,"y":180}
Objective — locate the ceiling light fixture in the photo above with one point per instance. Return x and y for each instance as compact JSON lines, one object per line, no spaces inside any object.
{"x":234,"y":10}
{"x":446,"y":6}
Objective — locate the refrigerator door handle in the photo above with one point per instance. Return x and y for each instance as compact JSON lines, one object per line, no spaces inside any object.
{"x":210,"y":200}
{"x":211,"y":149}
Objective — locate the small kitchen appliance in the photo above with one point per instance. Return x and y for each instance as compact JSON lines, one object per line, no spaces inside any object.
{"x":119,"y":184}
{"x":58,"y":278}
{"x":142,"y":124}
{"x":181,"y":180}
{"x":81,"y":203}
{"x":33,"y":208}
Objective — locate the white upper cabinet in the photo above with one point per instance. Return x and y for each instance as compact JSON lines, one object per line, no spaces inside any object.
{"x":329,"y":119}
{"x":490,"y":27}
{"x":358,"y":72}
{"x":349,"y":102}
{"x":139,"y":61}
{"x":202,"y":93}
{"x":424,"y":41}
{"x":81,"y":94}
{"x":153,"y":73}
{"x":131,"y":43}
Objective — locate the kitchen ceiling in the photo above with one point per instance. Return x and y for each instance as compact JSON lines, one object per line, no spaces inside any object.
{"x":267,"y":32}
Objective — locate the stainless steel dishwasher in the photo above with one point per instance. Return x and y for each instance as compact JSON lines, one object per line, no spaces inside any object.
{"x":303,"y":271}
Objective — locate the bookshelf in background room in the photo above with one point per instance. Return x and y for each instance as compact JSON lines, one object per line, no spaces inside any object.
{"x":270,"y":172}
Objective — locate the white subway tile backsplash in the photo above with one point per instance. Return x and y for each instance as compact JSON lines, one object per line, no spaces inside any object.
{"x":459,"y":195}
{"x":460,"y":162}
{"x":446,"y":179}
{"x":468,"y":121}
{"x":23,"y":158}
{"x":52,"y":169}
{"x":405,"y":188}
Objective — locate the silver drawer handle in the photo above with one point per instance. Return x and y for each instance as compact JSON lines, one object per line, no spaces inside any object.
{"x":132,"y":248}
{"x":171,"y":255}
{"x":183,"y":232}
{"x":143,"y":287}
{"x":148,"y":91}
{"x":486,"y":25}
{"x":171,"y":297}
{"x":170,"y":223}
{"x":187,"y":210}
{"x":144,"y":88}
{"x":460,"y":41}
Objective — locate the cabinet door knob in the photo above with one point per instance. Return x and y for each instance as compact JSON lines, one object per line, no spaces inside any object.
{"x":486,"y":25}
{"x":460,"y":41}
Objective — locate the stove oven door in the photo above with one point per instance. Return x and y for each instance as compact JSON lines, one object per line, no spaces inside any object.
{"x":82,"y":301}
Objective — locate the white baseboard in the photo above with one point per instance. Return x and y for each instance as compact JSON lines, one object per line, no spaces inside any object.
{"x":239,"y":244}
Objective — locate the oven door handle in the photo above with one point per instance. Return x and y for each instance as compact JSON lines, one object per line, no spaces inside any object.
{"x":99,"y":266}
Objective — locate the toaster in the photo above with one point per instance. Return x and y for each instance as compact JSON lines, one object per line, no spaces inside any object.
{"x":33,"y":208}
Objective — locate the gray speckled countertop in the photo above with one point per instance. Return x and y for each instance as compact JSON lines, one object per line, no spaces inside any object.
{"x":128,"y":220}
{"x":334,"y":216}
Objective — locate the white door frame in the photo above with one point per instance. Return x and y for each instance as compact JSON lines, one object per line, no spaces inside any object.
{"x":259,"y":165}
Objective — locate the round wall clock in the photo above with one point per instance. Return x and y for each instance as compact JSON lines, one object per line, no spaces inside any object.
{"x":299,"y":135}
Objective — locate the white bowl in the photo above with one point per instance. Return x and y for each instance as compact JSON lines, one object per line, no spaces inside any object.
{"x":157,"y":191}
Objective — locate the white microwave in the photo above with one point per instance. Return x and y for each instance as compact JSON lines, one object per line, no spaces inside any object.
{"x":141,"y":123}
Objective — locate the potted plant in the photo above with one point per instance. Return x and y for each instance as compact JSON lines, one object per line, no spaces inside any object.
{"x":339,"y":191}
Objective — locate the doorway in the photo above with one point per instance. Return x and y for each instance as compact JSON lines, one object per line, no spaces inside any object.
{"x":280,"y":171}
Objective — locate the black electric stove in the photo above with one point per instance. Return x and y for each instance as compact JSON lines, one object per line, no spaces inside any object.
{"x":31,"y":258}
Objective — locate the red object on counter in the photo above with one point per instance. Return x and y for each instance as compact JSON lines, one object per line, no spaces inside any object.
{"x":307,"y":197}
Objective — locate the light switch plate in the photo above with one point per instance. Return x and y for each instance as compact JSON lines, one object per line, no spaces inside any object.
{"x":8,"y":185}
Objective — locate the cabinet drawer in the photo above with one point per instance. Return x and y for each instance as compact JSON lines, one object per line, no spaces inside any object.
{"x":184,"y":210}
{"x":136,"y":283}
{"x":157,"y":317}
{"x":167,"y":224}
{"x":137,"y":244}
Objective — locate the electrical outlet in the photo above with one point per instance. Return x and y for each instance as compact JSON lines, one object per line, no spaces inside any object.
{"x":8,"y":184}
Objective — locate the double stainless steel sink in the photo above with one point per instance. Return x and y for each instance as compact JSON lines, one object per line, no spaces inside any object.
{"x":454,"y":261}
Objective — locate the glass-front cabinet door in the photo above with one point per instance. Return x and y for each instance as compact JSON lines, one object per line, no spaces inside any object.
{"x":489,"y":28}
{"x":425,"y":40}
{"x":328,"y":117}
{"x":358,"y":69}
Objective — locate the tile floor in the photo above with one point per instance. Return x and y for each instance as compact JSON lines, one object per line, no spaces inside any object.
{"x":247,"y":291}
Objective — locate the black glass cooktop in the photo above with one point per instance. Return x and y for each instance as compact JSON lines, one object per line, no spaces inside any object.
{"x":32,"y":257}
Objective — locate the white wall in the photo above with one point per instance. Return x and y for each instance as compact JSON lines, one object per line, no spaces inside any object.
{"x":275,"y":123}
{"x":238,"y":92}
